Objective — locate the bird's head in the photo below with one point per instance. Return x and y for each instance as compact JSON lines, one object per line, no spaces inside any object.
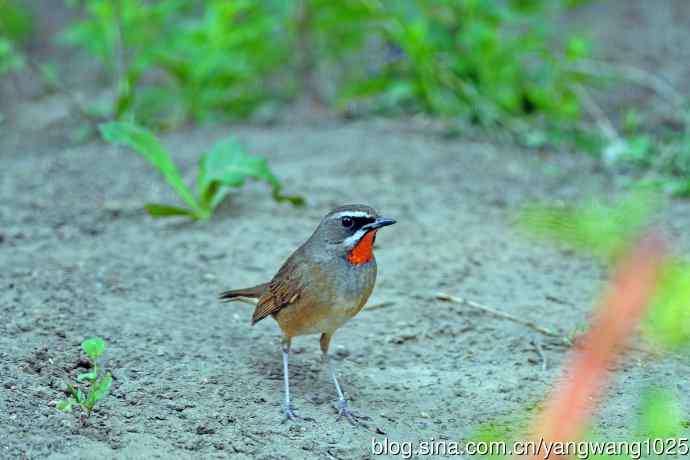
{"x":350,"y":231}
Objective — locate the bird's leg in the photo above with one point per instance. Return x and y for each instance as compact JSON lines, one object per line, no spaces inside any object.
{"x":287,"y":408}
{"x":343,"y":408}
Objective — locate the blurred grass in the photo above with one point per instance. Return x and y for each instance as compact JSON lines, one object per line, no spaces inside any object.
{"x":601,"y":229}
{"x":485,"y":61}
{"x":16,"y":26}
{"x":610,"y":231}
{"x":503,"y":66}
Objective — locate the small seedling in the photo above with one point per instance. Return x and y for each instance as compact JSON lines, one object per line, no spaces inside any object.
{"x":226,"y":166}
{"x":97,"y":384}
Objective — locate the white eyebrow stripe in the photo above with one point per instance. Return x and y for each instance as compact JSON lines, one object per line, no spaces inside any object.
{"x":352,"y":214}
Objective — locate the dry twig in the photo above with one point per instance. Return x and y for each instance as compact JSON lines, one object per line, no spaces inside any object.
{"x":641,"y":77}
{"x":502,"y":315}
{"x":376,"y":306}
{"x":603,"y":122}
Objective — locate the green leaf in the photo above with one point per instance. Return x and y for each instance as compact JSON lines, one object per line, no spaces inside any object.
{"x":10,"y":58}
{"x":677,"y":187}
{"x":163,"y":210}
{"x":101,"y":387}
{"x":90,"y":403}
{"x":79,"y":396}
{"x":49,"y":75}
{"x":71,"y":389}
{"x":93,"y":347}
{"x":632,"y":120}
{"x":65,"y":405}
{"x":639,"y":148}
{"x":16,"y":23}
{"x":87,"y":376}
{"x":229,"y":165}
{"x":279,"y":196}
{"x":147,"y":145}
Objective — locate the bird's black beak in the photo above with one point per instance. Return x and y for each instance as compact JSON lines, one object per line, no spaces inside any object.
{"x":378,"y":223}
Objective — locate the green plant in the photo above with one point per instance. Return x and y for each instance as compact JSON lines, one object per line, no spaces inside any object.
{"x":15,"y":21}
{"x":654,"y":150}
{"x":174,"y":61}
{"x":227,"y":165}
{"x":123,"y":35}
{"x":661,"y":153}
{"x":220,"y":62}
{"x":10,"y":58}
{"x":487,"y":61}
{"x":15,"y":27}
{"x":98,"y":383}
{"x":490,"y":62}
{"x":328,"y":38}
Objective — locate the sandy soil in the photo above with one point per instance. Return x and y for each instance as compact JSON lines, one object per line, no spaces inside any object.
{"x":79,"y":258}
{"x":193,"y":379}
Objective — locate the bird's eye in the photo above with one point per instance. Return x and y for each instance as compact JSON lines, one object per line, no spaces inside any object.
{"x":347,"y":222}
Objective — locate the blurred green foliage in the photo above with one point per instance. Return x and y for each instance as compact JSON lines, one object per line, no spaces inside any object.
{"x":663,"y":152}
{"x":661,"y":416}
{"x":606,"y":231}
{"x":15,"y":22}
{"x":598,"y":228}
{"x":10,"y":58}
{"x":668,"y":322}
{"x":175,"y":60}
{"x":502,"y":64}
{"x":483,"y":60}
{"x":493,"y":63}
{"x":16,"y":25}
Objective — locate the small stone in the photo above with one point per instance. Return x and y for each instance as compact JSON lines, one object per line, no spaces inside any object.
{"x":204,"y":429}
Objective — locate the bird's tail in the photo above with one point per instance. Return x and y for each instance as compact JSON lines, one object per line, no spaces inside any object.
{"x":235,"y":294}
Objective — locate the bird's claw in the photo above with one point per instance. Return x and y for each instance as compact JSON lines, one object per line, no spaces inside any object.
{"x":289,"y":412}
{"x":344,"y":410}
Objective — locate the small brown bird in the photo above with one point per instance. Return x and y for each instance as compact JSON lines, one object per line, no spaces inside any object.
{"x":323,"y":284}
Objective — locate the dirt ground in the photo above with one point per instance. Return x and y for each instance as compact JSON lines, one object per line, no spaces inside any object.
{"x":192,"y":378}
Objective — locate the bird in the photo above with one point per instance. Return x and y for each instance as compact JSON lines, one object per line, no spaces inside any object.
{"x":322,"y":284}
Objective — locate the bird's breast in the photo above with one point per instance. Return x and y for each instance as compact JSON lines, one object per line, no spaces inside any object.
{"x":339,"y":294}
{"x":354,"y":286}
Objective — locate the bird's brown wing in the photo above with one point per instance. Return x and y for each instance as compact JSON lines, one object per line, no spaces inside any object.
{"x":284,"y":289}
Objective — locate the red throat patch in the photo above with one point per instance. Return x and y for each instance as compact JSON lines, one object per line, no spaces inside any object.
{"x":363,"y":252}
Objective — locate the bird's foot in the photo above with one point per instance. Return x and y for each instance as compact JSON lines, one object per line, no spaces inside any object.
{"x":289,"y":412}
{"x":344,"y":410}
